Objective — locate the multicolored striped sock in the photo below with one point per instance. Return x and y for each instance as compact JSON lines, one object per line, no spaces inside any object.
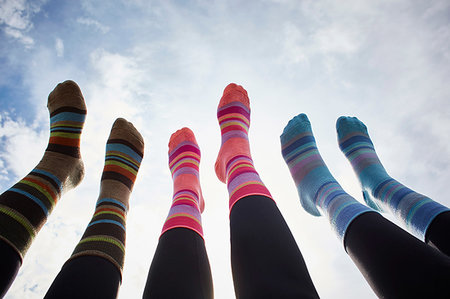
{"x":24,"y":208}
{"x":234,"y":165}
{"x":380,"y":191}
{"x":319,"y":192}
{"x":105,"y":234}
{"x":187,"y":202}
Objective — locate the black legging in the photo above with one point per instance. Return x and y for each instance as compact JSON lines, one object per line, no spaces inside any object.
{"x":266,"y":261}
{"x":396,"y":264}
{"x":180,"y":267}
{"x":438,"y":233}
{"x":9,"y":266}
{"x":265,"y":258}
{"x":87,"y":277}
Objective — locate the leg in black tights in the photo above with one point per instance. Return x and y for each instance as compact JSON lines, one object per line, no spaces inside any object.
{"x":438,"y":233}
{"x":9,"y":266}
{"x":265,"y":258}
{"x":180,"y":267}
{"x":86,"y":277}
{"x":396,"y":264}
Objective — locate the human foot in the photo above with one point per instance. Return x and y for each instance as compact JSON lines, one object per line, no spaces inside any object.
{"x":233,"y":114}
{"x":105,"y":234}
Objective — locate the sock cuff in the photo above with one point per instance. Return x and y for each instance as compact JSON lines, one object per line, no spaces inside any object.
{"x":420,"y":216}
{"x":104,"y":246}
{"x":342,"y":211}
{"x":100,"y":254}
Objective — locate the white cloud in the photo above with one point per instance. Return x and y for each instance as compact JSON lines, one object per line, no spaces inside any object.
{"x":16,"y":18}
{"x":94,"y":23}
{"x":14,"y":13}
{"x":19,"y":35}
{"x":20,"y":140}
{"x":59,"y":47}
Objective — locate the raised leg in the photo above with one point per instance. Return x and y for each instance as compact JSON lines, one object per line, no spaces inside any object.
{"x":24,"y":207}
{"x":266,"y":261}
{"x":384,"y":193}
{"x":180,"y":267}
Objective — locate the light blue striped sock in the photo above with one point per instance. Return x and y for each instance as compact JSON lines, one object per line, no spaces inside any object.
{"x":318,"y":190}
{"x":380,"y":191}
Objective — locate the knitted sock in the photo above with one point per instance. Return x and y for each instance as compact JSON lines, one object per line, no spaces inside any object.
{"x":187,"y":202}
{"x":234,"y":165}
{"x":319,"y":192}
{"x":105,"y":234}
{"x":24,"y":207}
{"x":380,"y":191}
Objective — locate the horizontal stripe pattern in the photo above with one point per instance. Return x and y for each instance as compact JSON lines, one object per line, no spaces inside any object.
{"x":122,"y":161}
{"x":319,"y":192}
{"x":383,"y":192}
{"x":243,"y":180}
{"x":184,"y":161}
{"x":25,"y":206}
{"x":105,"y":233}
{"x":66,"y":125}
{"x":234,"y":121}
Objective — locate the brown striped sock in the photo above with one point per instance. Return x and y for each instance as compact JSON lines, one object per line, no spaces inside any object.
{"x":24,"y":207}
{"x":105,"y":234}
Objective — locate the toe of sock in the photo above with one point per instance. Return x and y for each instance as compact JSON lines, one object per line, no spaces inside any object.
{"x":123,"y":129}
{"x":67,"y":93}
{"x":346,"y":125}
{"x":184,"y":134}
{"x":297,"y":125}
{"x":234,"y":93}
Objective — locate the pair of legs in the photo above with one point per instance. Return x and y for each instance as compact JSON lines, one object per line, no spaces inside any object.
{"x":94,"y":269}
{"x":266,"y":261}
{"x":396,"y":264}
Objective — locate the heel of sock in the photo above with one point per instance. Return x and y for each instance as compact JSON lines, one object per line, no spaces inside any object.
{"x":308,"y":205}
{"x":370,"y":201}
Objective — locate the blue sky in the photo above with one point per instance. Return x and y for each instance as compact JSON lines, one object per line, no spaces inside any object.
{"x":163,"y":65}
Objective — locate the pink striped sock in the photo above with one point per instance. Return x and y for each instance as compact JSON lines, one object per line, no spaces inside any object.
{"x":234,"y":164}
{"x":187,"y":204}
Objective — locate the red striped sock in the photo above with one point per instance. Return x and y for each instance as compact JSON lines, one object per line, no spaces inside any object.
{"x":187,"y":202}
{"x":234,"y":164}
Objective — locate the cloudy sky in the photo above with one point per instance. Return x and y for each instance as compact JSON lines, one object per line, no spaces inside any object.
{"x":163,"y":65}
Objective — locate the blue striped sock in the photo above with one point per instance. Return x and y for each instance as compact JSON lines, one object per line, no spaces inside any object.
{"x":380,"y":191}
{"x":319,"y":192}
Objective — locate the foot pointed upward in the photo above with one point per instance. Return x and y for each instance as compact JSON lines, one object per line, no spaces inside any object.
{"x":184,"y":162}
{"x":233,"y":114}
{"x":67,"y":115}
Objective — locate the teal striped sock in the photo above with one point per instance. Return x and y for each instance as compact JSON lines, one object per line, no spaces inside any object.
{"x":319,"y":192}
{"x":380,"y":191}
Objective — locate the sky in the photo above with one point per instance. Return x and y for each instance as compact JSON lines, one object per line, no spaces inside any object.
{"x":163,"y":65}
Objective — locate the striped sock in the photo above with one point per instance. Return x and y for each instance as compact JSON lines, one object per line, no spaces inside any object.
{"x":187,"y":202}
{"x":24,"y":208}
{"x":380,"y":191}
{"x":105,"y":234}
{"x":319,"y":192}
{"x":234,"y":164}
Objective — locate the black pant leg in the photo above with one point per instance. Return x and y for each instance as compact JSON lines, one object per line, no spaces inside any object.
{"x":9,"y":266}
{"x":265,"y":258}
{"x":438,"y":233}
{"x":395,"y":263}
{"x":87,"y":277}
{"x":180,"y":267}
